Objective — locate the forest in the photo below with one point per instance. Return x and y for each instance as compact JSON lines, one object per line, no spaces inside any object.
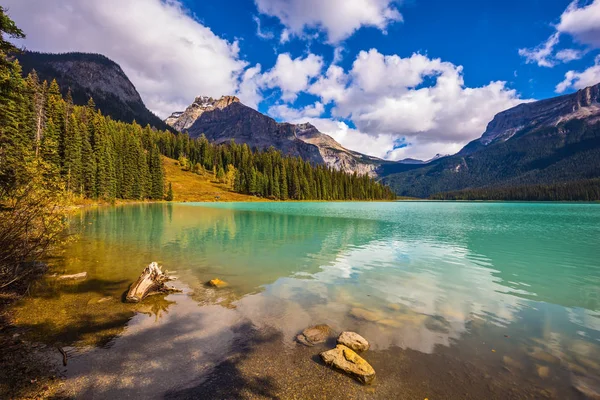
{"x":581,"y":190}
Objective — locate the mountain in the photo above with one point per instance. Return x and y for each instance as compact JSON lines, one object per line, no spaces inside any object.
{"x":226,"y":118}
{"x":92,"y":75}
{"x":539,"y":143}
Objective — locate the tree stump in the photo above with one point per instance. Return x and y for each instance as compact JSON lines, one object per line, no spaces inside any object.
{"x":151,"y":281}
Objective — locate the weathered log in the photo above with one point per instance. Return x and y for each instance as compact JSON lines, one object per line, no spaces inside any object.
{"x":151,"y":281}
{"x":72,"y":277}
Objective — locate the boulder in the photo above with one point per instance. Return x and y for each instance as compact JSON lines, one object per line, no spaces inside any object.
{"x":354,"y":341}
{"x":346,"y":360}
{"x":314,"y":334}
{"x":216,"y":283}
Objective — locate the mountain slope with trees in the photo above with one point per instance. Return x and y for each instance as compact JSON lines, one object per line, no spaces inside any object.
{"x":532,"y":147}
{"x":88,"y":75}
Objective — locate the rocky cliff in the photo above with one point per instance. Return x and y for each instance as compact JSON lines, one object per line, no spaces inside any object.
{"x":539,"y":143}
{"x":224,"y":119}
{"x":92,"y":75}
{"x":583,"y":104}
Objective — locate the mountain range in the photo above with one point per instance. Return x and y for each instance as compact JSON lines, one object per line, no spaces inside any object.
{"x":542,"y":142}
{"x":226,"y":118}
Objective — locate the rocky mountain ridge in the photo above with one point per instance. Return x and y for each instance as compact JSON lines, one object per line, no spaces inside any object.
{"x":583,"y":104}
{"x":538,"y":143}
{"x":226,"y":118}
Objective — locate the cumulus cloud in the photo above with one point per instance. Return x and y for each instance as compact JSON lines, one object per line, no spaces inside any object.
{"x":249,"y":90}
{"x":581,"y":23}
{"x":339,"y":19}
{"x":580,"y":80}
{"x":166,"y":53}
{"x":421,"y":100}
{"x":287,"y":113}
{"x":292,"y":75}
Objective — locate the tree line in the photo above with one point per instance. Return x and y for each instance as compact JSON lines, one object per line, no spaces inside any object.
{"x":268,"y":173}
{"x":581,"y":190}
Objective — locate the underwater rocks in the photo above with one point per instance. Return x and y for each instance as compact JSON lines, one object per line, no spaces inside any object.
{"x":314,"y":334}
{"x":353,"y":341}
{"x":217,"y":283}
{"x":347,"y":361}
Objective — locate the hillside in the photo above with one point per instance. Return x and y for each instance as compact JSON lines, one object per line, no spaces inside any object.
{"x":540,"y":143}
{"x":188,"y":186}
{"x":92,"y":75}
{"x":226,"y":118}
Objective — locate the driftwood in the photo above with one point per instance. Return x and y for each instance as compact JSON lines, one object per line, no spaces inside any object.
{"x":72,"y":277}
{"x":151,"y":281}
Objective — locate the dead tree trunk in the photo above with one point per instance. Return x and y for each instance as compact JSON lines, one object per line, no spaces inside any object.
{"x":151,"y":281}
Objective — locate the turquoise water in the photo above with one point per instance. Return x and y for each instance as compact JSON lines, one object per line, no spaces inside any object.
{"x":409,"y":275}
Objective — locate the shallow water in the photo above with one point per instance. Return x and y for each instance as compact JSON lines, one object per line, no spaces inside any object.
{"x":508,"y":292}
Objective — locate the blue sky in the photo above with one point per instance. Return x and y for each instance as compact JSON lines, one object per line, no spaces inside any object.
{"x":393,"y":79}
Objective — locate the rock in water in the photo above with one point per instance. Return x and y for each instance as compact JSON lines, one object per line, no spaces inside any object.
{"x":314,"y":334}
{"x":216,"y":283}
{"x":354,"y":341}
{"x":346,"y":360}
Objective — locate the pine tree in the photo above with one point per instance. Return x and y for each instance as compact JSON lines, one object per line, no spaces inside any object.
{"x":169,"y":196}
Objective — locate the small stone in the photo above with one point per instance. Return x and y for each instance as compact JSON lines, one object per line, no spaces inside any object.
{"x":364,"y":314}
{"x":104,"y":299}
{"x":542,"y":371}
{"x":314,"y":334}
{"x":346,"y":360}
{"x":354,"y":341}
{"x":217,"y":283}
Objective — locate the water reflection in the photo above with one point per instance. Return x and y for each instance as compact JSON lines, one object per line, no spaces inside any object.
{"x":410,"y":275}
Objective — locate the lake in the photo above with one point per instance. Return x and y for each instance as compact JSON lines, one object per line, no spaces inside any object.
{"x":458,"y":300}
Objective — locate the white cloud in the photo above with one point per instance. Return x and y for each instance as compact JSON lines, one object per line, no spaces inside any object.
{"x":339,"y":19}
{"x":542,"y":54}
{"x":419,"y":100}
{"x":580,"y":80}
{"x":292,"y":75}
{"x":169,"y":56}
{"x":287,"y":113}
{"x":566,"y":55}
{"x":259,"y":32}
{"x":249,"y":90}
{"x":582,"y":23}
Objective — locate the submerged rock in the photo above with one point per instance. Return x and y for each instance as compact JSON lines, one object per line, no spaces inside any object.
{"x":354,"y":341}
{"x":217,"y":283}
{"x":314,"y":334}
{"x":364,"y":314}
{"x":346,"y":360}
{"x":437,"y":323}
{"x":542,"y":371}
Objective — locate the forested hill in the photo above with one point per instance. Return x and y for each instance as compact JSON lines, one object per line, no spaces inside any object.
{"x":94,"y":156}
{"x":92,"y":75}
